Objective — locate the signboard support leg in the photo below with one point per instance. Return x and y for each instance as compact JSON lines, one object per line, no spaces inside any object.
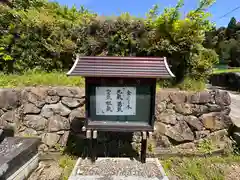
{"x":144,"y":147}
{"x":94,"y":146}
{"x":93,"y":149}
{"x":89,"y":141}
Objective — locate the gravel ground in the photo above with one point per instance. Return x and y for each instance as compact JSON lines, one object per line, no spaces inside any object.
{"x":47,"y":170}
{"x":116,"y":167}
{"x":233,"y":172}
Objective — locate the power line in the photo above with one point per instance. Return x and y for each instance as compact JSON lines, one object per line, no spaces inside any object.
{"x":229,"y":12}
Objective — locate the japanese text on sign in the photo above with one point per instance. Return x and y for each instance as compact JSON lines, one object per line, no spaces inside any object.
{"x":116,"y":101}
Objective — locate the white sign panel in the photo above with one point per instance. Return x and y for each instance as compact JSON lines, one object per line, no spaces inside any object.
{"x":116,"y":101}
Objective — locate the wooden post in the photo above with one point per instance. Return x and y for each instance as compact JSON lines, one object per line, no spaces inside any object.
{"x":94,"y":150}
{"x":94,"y":146}
{"x":144,"y":147}
{"x":89,"y":141}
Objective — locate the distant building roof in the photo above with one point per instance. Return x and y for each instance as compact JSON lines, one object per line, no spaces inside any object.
{"x":142,"y":67}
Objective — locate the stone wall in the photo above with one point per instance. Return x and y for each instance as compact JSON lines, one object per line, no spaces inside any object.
{"x":228,"y":80}
{"x":53,"y":112}
{"x":184,"y":119}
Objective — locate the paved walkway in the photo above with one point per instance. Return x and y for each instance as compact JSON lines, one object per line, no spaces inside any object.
{"x":235,"y":104}
{"x":235,"y":108}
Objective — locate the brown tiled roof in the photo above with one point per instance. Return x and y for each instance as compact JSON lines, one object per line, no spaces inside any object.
{"x":142,"y":67}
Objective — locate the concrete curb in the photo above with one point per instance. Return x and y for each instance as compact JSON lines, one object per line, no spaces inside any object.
{"x":24,"y":171}
{"x":161,"y":169}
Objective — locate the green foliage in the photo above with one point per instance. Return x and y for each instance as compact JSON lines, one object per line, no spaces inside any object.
{"x":201,"y":63}
{"x":192,"y":84}
{"x":40,"y":34}
{"x":164,"y":83}
{"x":198,"y":171}
{"x":209,"y":168}
{"x":25,"y":4}
{"x":226,"y":42}
{"x":4,"y":56}
{"x":59,"y":148}
{"x":181,"y":41}
{"x":205,"y":146}
{"x":67,"y":163}
{"x":45,"y":35}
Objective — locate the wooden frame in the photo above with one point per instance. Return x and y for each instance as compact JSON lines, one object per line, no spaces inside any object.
{"x":120,"y":127}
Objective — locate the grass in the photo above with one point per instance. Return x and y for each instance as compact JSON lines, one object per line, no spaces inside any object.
{"x":188,"y":84}
{"x":208,"y":168}
{"x":37,"y":77}
{"x":66,"y":162}
{"x":40,"y":78}
{"x":205,"y":146}
{"x":192,"y":85}
{"x":33,"y":78}
{"x":220,"y":71}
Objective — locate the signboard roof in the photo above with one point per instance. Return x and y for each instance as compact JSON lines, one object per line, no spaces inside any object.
{"x":130,"y":67}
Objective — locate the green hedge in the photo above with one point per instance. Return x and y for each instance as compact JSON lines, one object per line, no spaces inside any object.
{"x":47,"y":36}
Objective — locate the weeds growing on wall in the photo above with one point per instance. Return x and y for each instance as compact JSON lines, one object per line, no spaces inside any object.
{"x":45,"y":35}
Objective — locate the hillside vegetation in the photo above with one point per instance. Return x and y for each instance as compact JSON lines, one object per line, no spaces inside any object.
{"x":46,"y":36}
{"x":226,"y":42}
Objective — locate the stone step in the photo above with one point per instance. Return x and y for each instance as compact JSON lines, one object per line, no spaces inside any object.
{"x":15,"y":152}
{"x":118,"y":169}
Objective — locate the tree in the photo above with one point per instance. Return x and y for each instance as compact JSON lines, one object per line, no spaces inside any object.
{"x":231,"y":28}
{"x":181,"y":40}
{"x":47,"y":35}
{"x":228,"y":41}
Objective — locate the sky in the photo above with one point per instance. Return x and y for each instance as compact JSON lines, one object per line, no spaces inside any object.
{"x":140,"y":7}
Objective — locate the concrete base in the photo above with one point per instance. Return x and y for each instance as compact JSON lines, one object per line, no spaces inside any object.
{"x":115,"y":178}
{"x":75,"y":175}
{"x":16,"y":154}
{"x":23,"y":172}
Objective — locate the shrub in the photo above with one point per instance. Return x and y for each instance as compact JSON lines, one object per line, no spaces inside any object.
{"x":47,"y":36}
{"x":192,"y":84}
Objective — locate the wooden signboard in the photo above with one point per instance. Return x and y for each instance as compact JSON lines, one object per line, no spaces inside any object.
{"x":120,"y":93}
{"x":120,"y":104}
